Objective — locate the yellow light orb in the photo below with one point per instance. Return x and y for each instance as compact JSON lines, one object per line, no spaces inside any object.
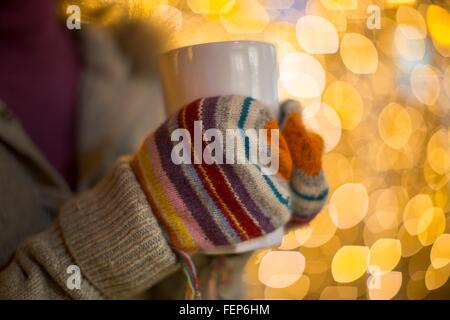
{"x":346,"y":100}
{"x":324,"y":120}
{"x":434,"y":180}
{"x":317,"y":35}
{"x":438,"y":152}
{"x":440,"y":252}
{"x":296,"y":291}
{"x":280,"y":269}
{"x":303,"y":233}
{"x":412,"y":22}
{"x":349,"y":263}
{"x":408,"y":43}
{"x":394,"y":125}
{"x":381,"y":221}
{"x":441,"y":197}
{"x":385,"y":286}
{"x":431,"y":225}
{"x":436,"y":278}
{"x":302,"y":75}
{"x":425,"y":84}
{"x":359,"y":54}
{"x":414,"y":210}
{"x":439,"y":24}
{"x":245,"y":17}
{"x":323,"y":229}
{"x":211,"y":6}
{"x":385,"y":254}
{"x":348,"y":205}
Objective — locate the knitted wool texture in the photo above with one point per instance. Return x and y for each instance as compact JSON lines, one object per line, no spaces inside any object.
{"x":203,"y":206}
{"x":309,"y":187}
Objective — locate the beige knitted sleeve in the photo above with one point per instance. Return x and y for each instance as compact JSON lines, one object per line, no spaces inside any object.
{"x":108,"y":232}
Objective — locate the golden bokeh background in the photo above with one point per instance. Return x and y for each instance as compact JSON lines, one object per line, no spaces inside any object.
{"x":377,"y":88}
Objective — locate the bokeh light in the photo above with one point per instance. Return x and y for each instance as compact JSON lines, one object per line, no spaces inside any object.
{"x":431,"y":225}
{"x":385,"y":254}
{"x":439,"y":24}
{"x":316,"y":35}
{"x":440,"y":252}
{"x":389,"y":284}
{"x":347,"y":102}
{"x":324,"y":120}
{"x":280,"y":269}
{"x":359,"y":54}
{"x":295,"y":291}
{"x":348,"y":205}
{"x":302,"y":75}
{"x":414,"y":210}
{"x":425,"y":84}
{"x":211,"y":6}
{"x":350,"y":263}
{"x":395,"y":126}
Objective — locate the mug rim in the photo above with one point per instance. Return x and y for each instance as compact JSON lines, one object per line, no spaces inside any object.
{"x":229,"y":42}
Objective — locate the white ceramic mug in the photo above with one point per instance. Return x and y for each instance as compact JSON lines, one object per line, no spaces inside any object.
{"x":246,"y":68}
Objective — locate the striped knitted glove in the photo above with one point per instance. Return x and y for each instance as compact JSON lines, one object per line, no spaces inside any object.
{"x":309,"y":188}
{"x":203,"y":207}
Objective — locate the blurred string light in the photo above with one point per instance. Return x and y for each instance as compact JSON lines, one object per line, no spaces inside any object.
{"x":321,"y":118}
{"x":280,"y":269}
{"x":380,"y":98}
{"x":350,"y":263}
{"x":302,"y":75}
{"x":440,"y":252}
{"x":317,"y":35}
{"x":348,"y":205}
{"x":347,"y":102}
{"x":385,"y":254}
{"x":211,"y":6}
{"x":389,"y":285}
{"x":359,"y":54}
